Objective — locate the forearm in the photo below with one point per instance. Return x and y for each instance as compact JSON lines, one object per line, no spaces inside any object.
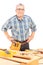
{"x":31,"y":37}
{"x":7,"y":35}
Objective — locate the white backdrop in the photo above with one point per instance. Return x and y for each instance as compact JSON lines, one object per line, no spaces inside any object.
{"x":33,"y":8}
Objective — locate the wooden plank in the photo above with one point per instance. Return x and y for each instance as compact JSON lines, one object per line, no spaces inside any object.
{"x":7,"y":62}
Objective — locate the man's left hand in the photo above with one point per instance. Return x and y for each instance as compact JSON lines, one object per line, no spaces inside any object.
{"x":31,"y":37}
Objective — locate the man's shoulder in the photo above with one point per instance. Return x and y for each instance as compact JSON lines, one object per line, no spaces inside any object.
{"x":13,"y":17}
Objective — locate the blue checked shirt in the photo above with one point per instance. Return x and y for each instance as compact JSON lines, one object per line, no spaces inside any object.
{"x":19,"y":28}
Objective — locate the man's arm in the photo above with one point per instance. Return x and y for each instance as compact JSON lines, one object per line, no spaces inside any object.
{"x":33,"y":29}
{"x":9,"y":37}
{"x":31,"y":37}
{"x":5,"y":27}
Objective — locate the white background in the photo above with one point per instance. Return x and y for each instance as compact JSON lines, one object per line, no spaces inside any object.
{"x":33,"y":8}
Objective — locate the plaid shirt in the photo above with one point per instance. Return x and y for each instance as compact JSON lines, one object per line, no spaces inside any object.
{"x":20,"y":28}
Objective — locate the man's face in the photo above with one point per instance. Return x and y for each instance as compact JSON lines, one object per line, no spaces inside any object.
{"x":20,"y":11}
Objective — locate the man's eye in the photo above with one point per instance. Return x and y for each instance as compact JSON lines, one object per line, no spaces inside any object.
{"x":20,"y":9}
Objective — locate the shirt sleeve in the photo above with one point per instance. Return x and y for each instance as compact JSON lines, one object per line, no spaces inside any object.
{"x":32,"y":25}
{"x":6,"y":26}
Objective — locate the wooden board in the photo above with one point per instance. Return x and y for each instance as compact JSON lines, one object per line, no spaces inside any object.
{"x":7,"y":62}
{"x":24,"y":61}
{"x":22,"y":57}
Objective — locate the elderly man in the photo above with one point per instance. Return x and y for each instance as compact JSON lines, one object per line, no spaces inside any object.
{"x":20,"y":25}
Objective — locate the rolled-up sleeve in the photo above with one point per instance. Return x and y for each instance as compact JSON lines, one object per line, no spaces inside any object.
{"x":32,"y":25}
{"x":6,"y":26}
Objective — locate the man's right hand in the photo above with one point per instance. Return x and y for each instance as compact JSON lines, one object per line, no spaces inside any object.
{"x":9,"y":37}
{"x":12,"y":40}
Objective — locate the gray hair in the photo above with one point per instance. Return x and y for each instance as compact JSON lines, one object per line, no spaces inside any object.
{"x":20,"y":4}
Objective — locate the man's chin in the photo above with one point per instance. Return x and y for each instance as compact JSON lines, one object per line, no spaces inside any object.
{"x":20,"y":16}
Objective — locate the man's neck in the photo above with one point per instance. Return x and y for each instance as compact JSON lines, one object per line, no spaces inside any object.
{"x":20,"y":18}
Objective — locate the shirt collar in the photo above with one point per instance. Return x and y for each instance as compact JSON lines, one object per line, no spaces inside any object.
{"x":19,"y":19}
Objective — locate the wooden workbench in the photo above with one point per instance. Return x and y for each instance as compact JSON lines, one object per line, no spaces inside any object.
{"x":19,"y":58}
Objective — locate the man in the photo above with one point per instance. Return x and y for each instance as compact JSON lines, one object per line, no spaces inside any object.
{"x":20,"y":25}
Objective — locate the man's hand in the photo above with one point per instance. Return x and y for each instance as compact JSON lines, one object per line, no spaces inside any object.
{"x":12,"y":40}
{"x":31,"y":37}
{"x":9,"y":37}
